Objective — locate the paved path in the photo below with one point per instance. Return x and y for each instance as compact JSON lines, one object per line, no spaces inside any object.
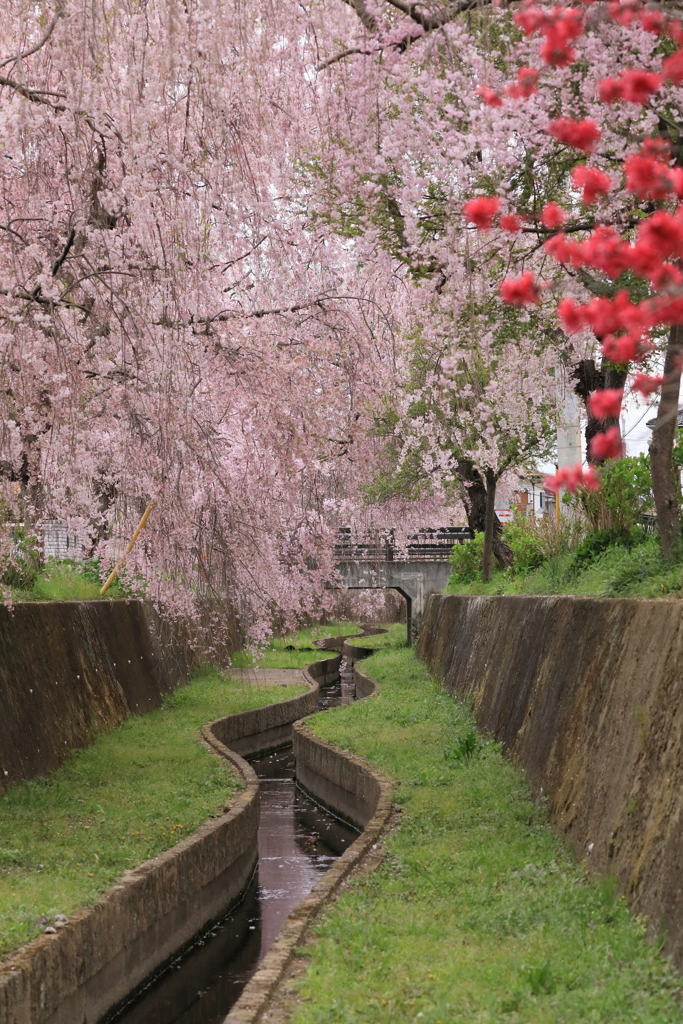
{"x":269,"y":676}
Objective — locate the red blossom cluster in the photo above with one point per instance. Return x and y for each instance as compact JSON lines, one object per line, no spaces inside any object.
{"x":581,"y":135}
{"x":649,"y":174}
{"x":621,"y":323}
{"x":659,"y":240}
{"x":526,"y":84}
{"x":623,"y":349}
{"x":571,"y":478}
{"x":646,"y":385}
{"x":605,"y":403}
{"x":482,"y":211}
{"x":489,"y":96}
{"x":673,"y":68}
{"x":559,"y":27}
{"x":624,"y":12}
{"x":553,"y":216}
{"x":520,"y":291}
{"x":654,"y":254}
{"x":511,"y":222}
{"x":607,"y":446}
{"x":595,"y":184}
{"x":635,"y":86}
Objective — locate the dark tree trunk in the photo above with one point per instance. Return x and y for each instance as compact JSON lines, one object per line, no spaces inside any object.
{"x":475,"y":510}
{"x":490,"y":519}
{"x":589,"y":379}
{"x":661,"y":448}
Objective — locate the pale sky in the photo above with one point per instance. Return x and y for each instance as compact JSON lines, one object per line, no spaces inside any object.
{"x":636,"y":435}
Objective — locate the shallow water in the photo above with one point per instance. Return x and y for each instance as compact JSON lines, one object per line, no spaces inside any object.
{"x":297,"y":842}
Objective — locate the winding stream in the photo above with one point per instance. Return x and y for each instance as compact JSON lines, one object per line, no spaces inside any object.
{"x":297,"y":842}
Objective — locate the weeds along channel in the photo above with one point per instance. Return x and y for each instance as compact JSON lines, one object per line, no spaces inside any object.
{"x":477,"y":913}
{"x":138,"y":790}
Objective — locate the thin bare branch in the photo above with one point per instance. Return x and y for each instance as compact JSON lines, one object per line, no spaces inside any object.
{"x":341,"y":56}
{"x":41,"y":42}
{"x":64,"y":253}
{"x":237,"y":259}
{"x":34,"y":95}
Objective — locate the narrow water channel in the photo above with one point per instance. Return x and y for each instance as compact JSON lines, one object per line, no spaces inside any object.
{"x":297,"y":842}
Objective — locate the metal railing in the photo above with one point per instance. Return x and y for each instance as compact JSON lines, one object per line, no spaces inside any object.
{"x":429,"y":545}
{"x":648,"y":522}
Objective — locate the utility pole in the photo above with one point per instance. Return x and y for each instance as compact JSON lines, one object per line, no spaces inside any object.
{"x":569,"y":450}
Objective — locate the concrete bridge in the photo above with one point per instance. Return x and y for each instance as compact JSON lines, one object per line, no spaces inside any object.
{"x":417,"y":569}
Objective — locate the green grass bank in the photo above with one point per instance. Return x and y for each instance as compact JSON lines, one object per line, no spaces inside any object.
{"x":295,"y":650}
{"x":138,"y":790}
{"x":628,"y":567}
{"x":477,"y":914}
{"x":395,"y":636}
{"x":64,"y":580}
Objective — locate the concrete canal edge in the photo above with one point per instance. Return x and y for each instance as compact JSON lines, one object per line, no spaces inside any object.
{"x":264,"y":729}
{"x":102,"y":955}
{"x":351,"y":788}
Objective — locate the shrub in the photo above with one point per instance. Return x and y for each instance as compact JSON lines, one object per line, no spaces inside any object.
{"x":625,"y":494}
{"x":642,"y":564}
{"x":467,"y":559}
{"x":535,"y":540}
{"x":592,"y":546}
{"x":21,"y":562}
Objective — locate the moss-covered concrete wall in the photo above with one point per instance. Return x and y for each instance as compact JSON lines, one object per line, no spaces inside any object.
{"x":587,"y":696}
{"x":69,"y":669}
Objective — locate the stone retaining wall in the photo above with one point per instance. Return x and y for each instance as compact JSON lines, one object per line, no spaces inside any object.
{"x":70,"y":669}
{"x":365,"y":685}
{"x":335,"y":778}
{"x":587,"y":696}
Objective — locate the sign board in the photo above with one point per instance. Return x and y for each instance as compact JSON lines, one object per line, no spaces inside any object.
{"x":505,"y":515}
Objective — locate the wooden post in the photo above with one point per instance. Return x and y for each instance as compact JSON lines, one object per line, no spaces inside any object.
{"x":119,"y":565}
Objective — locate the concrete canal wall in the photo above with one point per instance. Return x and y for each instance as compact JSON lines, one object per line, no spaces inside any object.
{"x":258,"y":732}
{"x":350,"y":788}
{"x":587,"y":697}
{"x":102,"y":955}
{"x":70,"y":669}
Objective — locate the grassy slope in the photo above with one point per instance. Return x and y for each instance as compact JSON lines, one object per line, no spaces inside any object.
{"x":618,"y":572}
{"x":395,"y":636}
{"x":477,"y":914}
{"x":67,"y":581}
{"x":136,"y":791}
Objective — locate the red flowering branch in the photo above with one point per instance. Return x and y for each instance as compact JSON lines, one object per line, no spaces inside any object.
{"x":654,"y":255}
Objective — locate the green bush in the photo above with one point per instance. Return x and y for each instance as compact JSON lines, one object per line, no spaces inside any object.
{"x":534,"y":540}
{"x":645,"y":563}
{"x":625,"y":494}
{"x":592,"y":546}
{"x":21,"y":564}
{"x":522,"y":535}
{"x":467,"y":560}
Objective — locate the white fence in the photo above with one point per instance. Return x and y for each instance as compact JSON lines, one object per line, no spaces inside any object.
{"x":59,"y":543}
